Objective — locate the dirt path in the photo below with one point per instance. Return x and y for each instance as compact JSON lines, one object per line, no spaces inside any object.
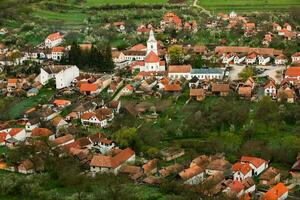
{"x":203,"y":10}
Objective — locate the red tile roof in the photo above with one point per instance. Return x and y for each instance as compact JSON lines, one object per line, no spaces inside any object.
{"x":12,"y":80}
{"x":292,"y":72}
{"x":276,"y":192}
{"x":172,"y":87}
{"x":236,"y":186}
{"x":87,"y":87}
{"x":44,"y":132}
{"x":58,"y":49}
{"x":87,"y":115}
{"x":151,"y":58}
{"x":2,"y":136}
{"x":244,"y":168}
{"x":257,"y":162}
{"x":15,"y":131}
{"x":54,"y":36}
{"x":190,"y":172}
{"x":63,"y":139}
{"x":179,"y":69}
{"x":61,"y":102}
{"x":138,"y":47}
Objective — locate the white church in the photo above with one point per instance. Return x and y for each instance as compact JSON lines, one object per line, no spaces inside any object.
{"x":151,"y":62}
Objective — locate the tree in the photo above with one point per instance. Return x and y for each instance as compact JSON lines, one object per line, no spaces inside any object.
{"x":126,"y":137}
{"x":176,"y":55}
{"x":197,"y":61}
{"x":246,"y":73}
{"x":74,"y":54}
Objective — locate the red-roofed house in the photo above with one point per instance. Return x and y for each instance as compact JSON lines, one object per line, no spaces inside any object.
{"x":43,"y":132}
{"x":93,"y":118}
{"x":241,"y":171}
{"x":53,"y":40}
{"x":3,"y":136}
{"x":193,"y":175}
{"x":57,"y":53}
{"x":270,"y":89}
{"x":90,"y":88}
{"x":278,"y":192}
{"x":280,"y":60}
{"x":64,"y":140}
{"x":61,"y":103}
{"x":170,"y":19}
{"x":127,"y":90}
{"x":292,"y":74}
{"x":17,"y":133}
{"x":237,"y":188}
{"x":101,"y":163}
{"x":179,"y":71}
{"x":257,"y":164}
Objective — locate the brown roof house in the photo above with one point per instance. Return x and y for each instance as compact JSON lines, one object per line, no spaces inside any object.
{"x":193,"y":175}
{"x":197,"y":93}
{"x":150,"y":167}
{"x":269,"y":177}
{"x":218,"y":165}
{"x":221,"y":89}
{"x":171,"y":153}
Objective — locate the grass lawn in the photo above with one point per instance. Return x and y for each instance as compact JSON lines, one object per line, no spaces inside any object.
{"x":253,"y":5}
{"x":19,"y":108}
{"x":90,"y":3}
{"x":71,"y":17}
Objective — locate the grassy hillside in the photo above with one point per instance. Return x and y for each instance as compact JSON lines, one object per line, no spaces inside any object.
{"x":90,"y":3}
{"x":245,"y":5}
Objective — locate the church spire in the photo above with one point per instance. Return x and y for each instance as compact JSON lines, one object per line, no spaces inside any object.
{"x":151,"y":43}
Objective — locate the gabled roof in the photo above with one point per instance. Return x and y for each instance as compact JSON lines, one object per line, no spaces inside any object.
{"x":138,"y":47}
{"x":2,"y":136}
{"x":293,"y":71}
{"x":269,"y":174}
{"x":236,"y":186}
{"x":58,"y":49}
{"x":152,"y":58}
{"x":244,"y":168}
{"x":179,"y":69}
{"x":257,"y":162}
{"x":15,"y":131}
{"x":41,"y":132}
{"x":61,"y":102}
{"x":172,"y":87}
{"x":54,"y":36}
{"x":220,"y":87}
{"x":197,"y":92}
{"x":276,"y":192}
{"x":63,"y":139}
{"x":88,"y":87}
{"x":190,"y":172}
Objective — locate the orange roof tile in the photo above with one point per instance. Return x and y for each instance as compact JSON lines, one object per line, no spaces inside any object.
{"x":87,"y":115}
{"x":87,"y":87}
{"x":257,"y":162}
{"x":172,"y":87}
{"x":54,"y":36}
{"x":138,"y":47}
{"x":63,"y":139}
{"x":58,"y":49}
{"x":61,"y":102}
{"x":2,"y":136}
{"x":276,"y":192}
{"x":293,"y":72}
{"x":44,"y":132}
{"x":15,"y":131}
{"x":244,"y":168}
{"x":179,"y":69}
{"x":236,"y":186}
{"x":12,"y":80}
{"x":151,"y":58}
{"x":190,"y":172}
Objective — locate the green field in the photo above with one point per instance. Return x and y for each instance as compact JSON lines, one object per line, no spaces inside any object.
{"x":246,"y":5}
{"x":90,"y":3}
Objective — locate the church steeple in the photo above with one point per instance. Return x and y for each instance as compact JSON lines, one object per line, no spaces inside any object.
{"x":151,"y":43}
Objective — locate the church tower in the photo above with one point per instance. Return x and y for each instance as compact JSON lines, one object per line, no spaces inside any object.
{"x":152,"y":43}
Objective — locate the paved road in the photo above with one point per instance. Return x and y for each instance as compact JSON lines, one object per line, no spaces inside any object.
{"x":272,"y":72}
{"x":234,"y":72}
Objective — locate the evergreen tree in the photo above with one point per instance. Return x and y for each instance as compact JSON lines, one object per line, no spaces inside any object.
{"x":75,"y":54}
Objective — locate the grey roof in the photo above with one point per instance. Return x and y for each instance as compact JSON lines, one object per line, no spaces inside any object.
{"x":207,"y":71}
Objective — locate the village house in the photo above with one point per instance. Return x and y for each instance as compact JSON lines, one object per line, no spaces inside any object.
{"x":170,"y":169}
{"x":120,"y":26}
{"x":63,"y":75}
{"x":172,"y":87}
{"x":269,"y":177}
{"x":63,"y":140}
{"x":32,"y":92}
{"x":258,"y":165}
{"x":292,"y":74}
{"x":295,"y":171}
{"x":12,"y":136}
{"x":128,"y":90}
{"x":89,"y":88}
{"x":221,"y":89}
{"x":150,"y":167}
{"x":169,"y":154}
{"x":218,"y":166}
{"x":58,"y":122}
{"x":235,"y":189}
{"x":53,"y":40}
{"x":107,"y":112}
{"x":32,"y":123}
{"x":286,"y":94}
{"x":42,"y":132}
{"x":26,"y":167}
{"x":57,"y":53}
{"x":295,"y":57}
{"x":241,"y":171}
{"x":280,"y":60}
{"x":61,"y":103}
{"x":111,"y":164}
{"x":207,"y":73}
{"x":270,"y":89}
{"x":197,"y":93}
{"x":245,"y":92}
{"x":104,"y":145}
{"x":278,"y":192}
{"x":170,"y":19}
{"x":93,"y":118}
{"x":193,"y":175}
{"x":179,"y":71}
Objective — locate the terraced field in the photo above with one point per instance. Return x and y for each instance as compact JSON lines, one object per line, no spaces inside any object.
{"x":90,"y":3}
{"x":246,"y":5}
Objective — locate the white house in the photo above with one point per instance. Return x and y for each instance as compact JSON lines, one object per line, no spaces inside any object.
{"x":64,"y":140}
{"x":105,"y":145}
{"x":281,"y":60}
{"x":258,"y":165}
{"x":179,"y":71}
{"x":270,"y":89}
{"x":62,"y":74}
{"x":232,"y":15}
{"x":57,"y":53}
{"x":53,"y":40}
{"x":93,"y":118}
{"x":263,"y":59}
{"x":108,"y":164}
{"x":251,"y":58}
{"x":241,"y":171}
{"x":193,"y":175}
{"x":296,"y":57}
{"x":207,"y":73}
{"x":32,"y":123}
{"x":238,"y":59}
{"x":227,"y":58}
{"x":12,"y":135}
